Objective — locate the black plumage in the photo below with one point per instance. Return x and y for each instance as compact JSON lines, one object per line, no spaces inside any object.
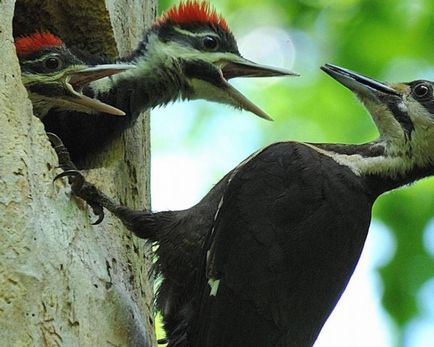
{"x":284,"y":245}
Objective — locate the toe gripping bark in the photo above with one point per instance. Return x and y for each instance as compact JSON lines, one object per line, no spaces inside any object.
{"x":79,"y":186}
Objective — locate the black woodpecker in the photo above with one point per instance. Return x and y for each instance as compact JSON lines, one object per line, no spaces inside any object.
{"x":188,"y":53}
{"x":264,"y":257}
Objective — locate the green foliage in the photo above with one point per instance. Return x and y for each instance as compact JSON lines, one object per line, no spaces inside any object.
{"x":388,"y":40}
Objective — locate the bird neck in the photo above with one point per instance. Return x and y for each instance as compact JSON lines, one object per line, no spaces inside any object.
{"x":157,"y":79}
{"x":382,"y":164}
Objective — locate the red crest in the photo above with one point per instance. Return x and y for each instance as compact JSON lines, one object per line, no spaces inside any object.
{"x":35,"y":42}
{"x":192,"y":11}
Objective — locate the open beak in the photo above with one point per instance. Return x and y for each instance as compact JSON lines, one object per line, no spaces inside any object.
{"x":362,"y":85}
{"x":78,"y":79}
{"x":241,"y":67}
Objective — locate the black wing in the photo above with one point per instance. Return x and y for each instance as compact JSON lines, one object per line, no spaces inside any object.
{"x":282,"y":250}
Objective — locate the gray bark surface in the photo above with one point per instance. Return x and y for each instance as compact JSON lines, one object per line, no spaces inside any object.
{"x":64,"y":282}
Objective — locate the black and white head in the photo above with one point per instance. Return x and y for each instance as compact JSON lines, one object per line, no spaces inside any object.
{"x":403,"y":114}
{"x":54,"y":77}
{"x":194,"y":44}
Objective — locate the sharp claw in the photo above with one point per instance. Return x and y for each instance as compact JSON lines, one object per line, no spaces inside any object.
{"x":99,"y":220}
{"x":67,"y":173}
{"x":54,"y":139}
{"x":98,"y":211}
{"x":78,"y":183}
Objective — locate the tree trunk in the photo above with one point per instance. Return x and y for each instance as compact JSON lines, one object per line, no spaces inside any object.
{"x":64,"y":282}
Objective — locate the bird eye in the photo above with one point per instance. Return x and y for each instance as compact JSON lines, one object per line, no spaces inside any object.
{"x":53,"y":63}
{"x":210,"y":43}
{"x":422,"y":90}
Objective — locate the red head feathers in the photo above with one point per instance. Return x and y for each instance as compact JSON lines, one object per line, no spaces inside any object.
{"x":27,"y":45}
{"x":193,"y":12}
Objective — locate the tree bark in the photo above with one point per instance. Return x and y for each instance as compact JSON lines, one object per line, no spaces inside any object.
{"x":64,"y":282}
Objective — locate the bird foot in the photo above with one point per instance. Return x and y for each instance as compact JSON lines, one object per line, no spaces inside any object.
{"x":79,"y":186}
{"x":63,"y":156}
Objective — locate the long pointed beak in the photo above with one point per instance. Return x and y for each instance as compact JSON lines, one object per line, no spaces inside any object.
{"x":358,"y":83}
{"x":241,"y":67}
{"x":244,"y":103}
{"x":84,"y":76}
{"x":76,"y":80}
{"x":247,"y":68}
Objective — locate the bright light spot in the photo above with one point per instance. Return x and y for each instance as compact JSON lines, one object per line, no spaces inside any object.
{"x":308,"y":67}
{"x":182,"y":172}
{"x":175,"y":180}
{"x":428,"y":237}
{"x":419,"y":333}
{"x":414,"y":11}
{"x":426,"y":299}
{"x":383,"y":244}
{"x":275,"y":49}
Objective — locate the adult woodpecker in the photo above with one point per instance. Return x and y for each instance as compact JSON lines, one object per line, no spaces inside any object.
{"x":263,"y":259}
{"x":188,"y":53}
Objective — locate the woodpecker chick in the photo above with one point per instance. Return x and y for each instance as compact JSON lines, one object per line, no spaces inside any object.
{"x":188,"y":53}
{"x":264,"y":257}
{"x":55,"y":78}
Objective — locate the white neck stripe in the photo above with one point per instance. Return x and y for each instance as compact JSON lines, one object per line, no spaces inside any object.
{"x":387,"y":165}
